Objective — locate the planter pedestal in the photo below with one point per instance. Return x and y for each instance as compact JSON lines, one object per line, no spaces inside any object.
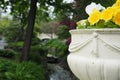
{"x":95,"y":54}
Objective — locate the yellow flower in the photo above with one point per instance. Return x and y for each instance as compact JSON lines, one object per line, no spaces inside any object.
{"x":116,"y":18}
{"x":94,"y":17}
{"x":117,"y":3}
{"x":107,"y":14}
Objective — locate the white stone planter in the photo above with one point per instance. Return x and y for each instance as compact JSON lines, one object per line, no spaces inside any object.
{"x":95,"y":54}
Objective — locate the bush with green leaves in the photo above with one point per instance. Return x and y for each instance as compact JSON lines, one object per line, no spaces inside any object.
{"x":57,"y":47}
{"x":37,"y":53}
{"x":10,"y":70}
{"x":16,"y":46}
{"x":6,"y":67}
{"x":12,"y":32}
{"x":7,"y":53}
{"x":63,"y":32}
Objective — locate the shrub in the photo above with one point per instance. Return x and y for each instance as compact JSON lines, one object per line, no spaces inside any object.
{"x":63,"y":32}
{"x":6,"y":67}
{"x":57,"y":47}
{"x":35,"y":41}
{"x":7,"y":53}
{"x":11,"y":32}
{"x":10,"y":70}
{"x":37,"y":53}
{"x":27,"y":71}
{"x":17,"y":46}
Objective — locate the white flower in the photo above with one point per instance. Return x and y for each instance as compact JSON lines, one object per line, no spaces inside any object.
{"x":92,"y":6}
{"x":82,"y":22}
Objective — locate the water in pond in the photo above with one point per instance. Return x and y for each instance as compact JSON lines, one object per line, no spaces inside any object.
{"x":59,"y":73}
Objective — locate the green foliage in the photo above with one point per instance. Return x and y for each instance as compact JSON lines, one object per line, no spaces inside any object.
{"x":37,"y":53}
{"x":5,"y":67}
{"x":35,"y":41}
{"x":63,"y":32}
{"x":7,"y":53}
{"x":47,"y":27}
{"x":111,"y":24}
{"x":37,"y":50}
{"x":20,"y":12}
{"x":4,"y":22}
{"x":27,"y":71}
{"x":10,"y":29}
{"x":99,"y":24}
{"x":17,"y":46}
{"x":59,"y":10}
{"x":44,"y":11}
{"x":10,"y":70}
{"x":11,"y":32}
{"x":56,"y":47}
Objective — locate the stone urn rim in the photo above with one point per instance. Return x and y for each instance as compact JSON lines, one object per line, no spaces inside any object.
{"x":100,"y":30}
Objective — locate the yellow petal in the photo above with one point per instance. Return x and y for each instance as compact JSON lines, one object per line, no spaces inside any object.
{"x":117,"y":3}
{"x":94,"y":17}
{"x":107,"y":14}
{"x":116,"y":18}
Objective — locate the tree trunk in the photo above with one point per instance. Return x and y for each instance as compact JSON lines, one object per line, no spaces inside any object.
{"x":29,"y":30}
